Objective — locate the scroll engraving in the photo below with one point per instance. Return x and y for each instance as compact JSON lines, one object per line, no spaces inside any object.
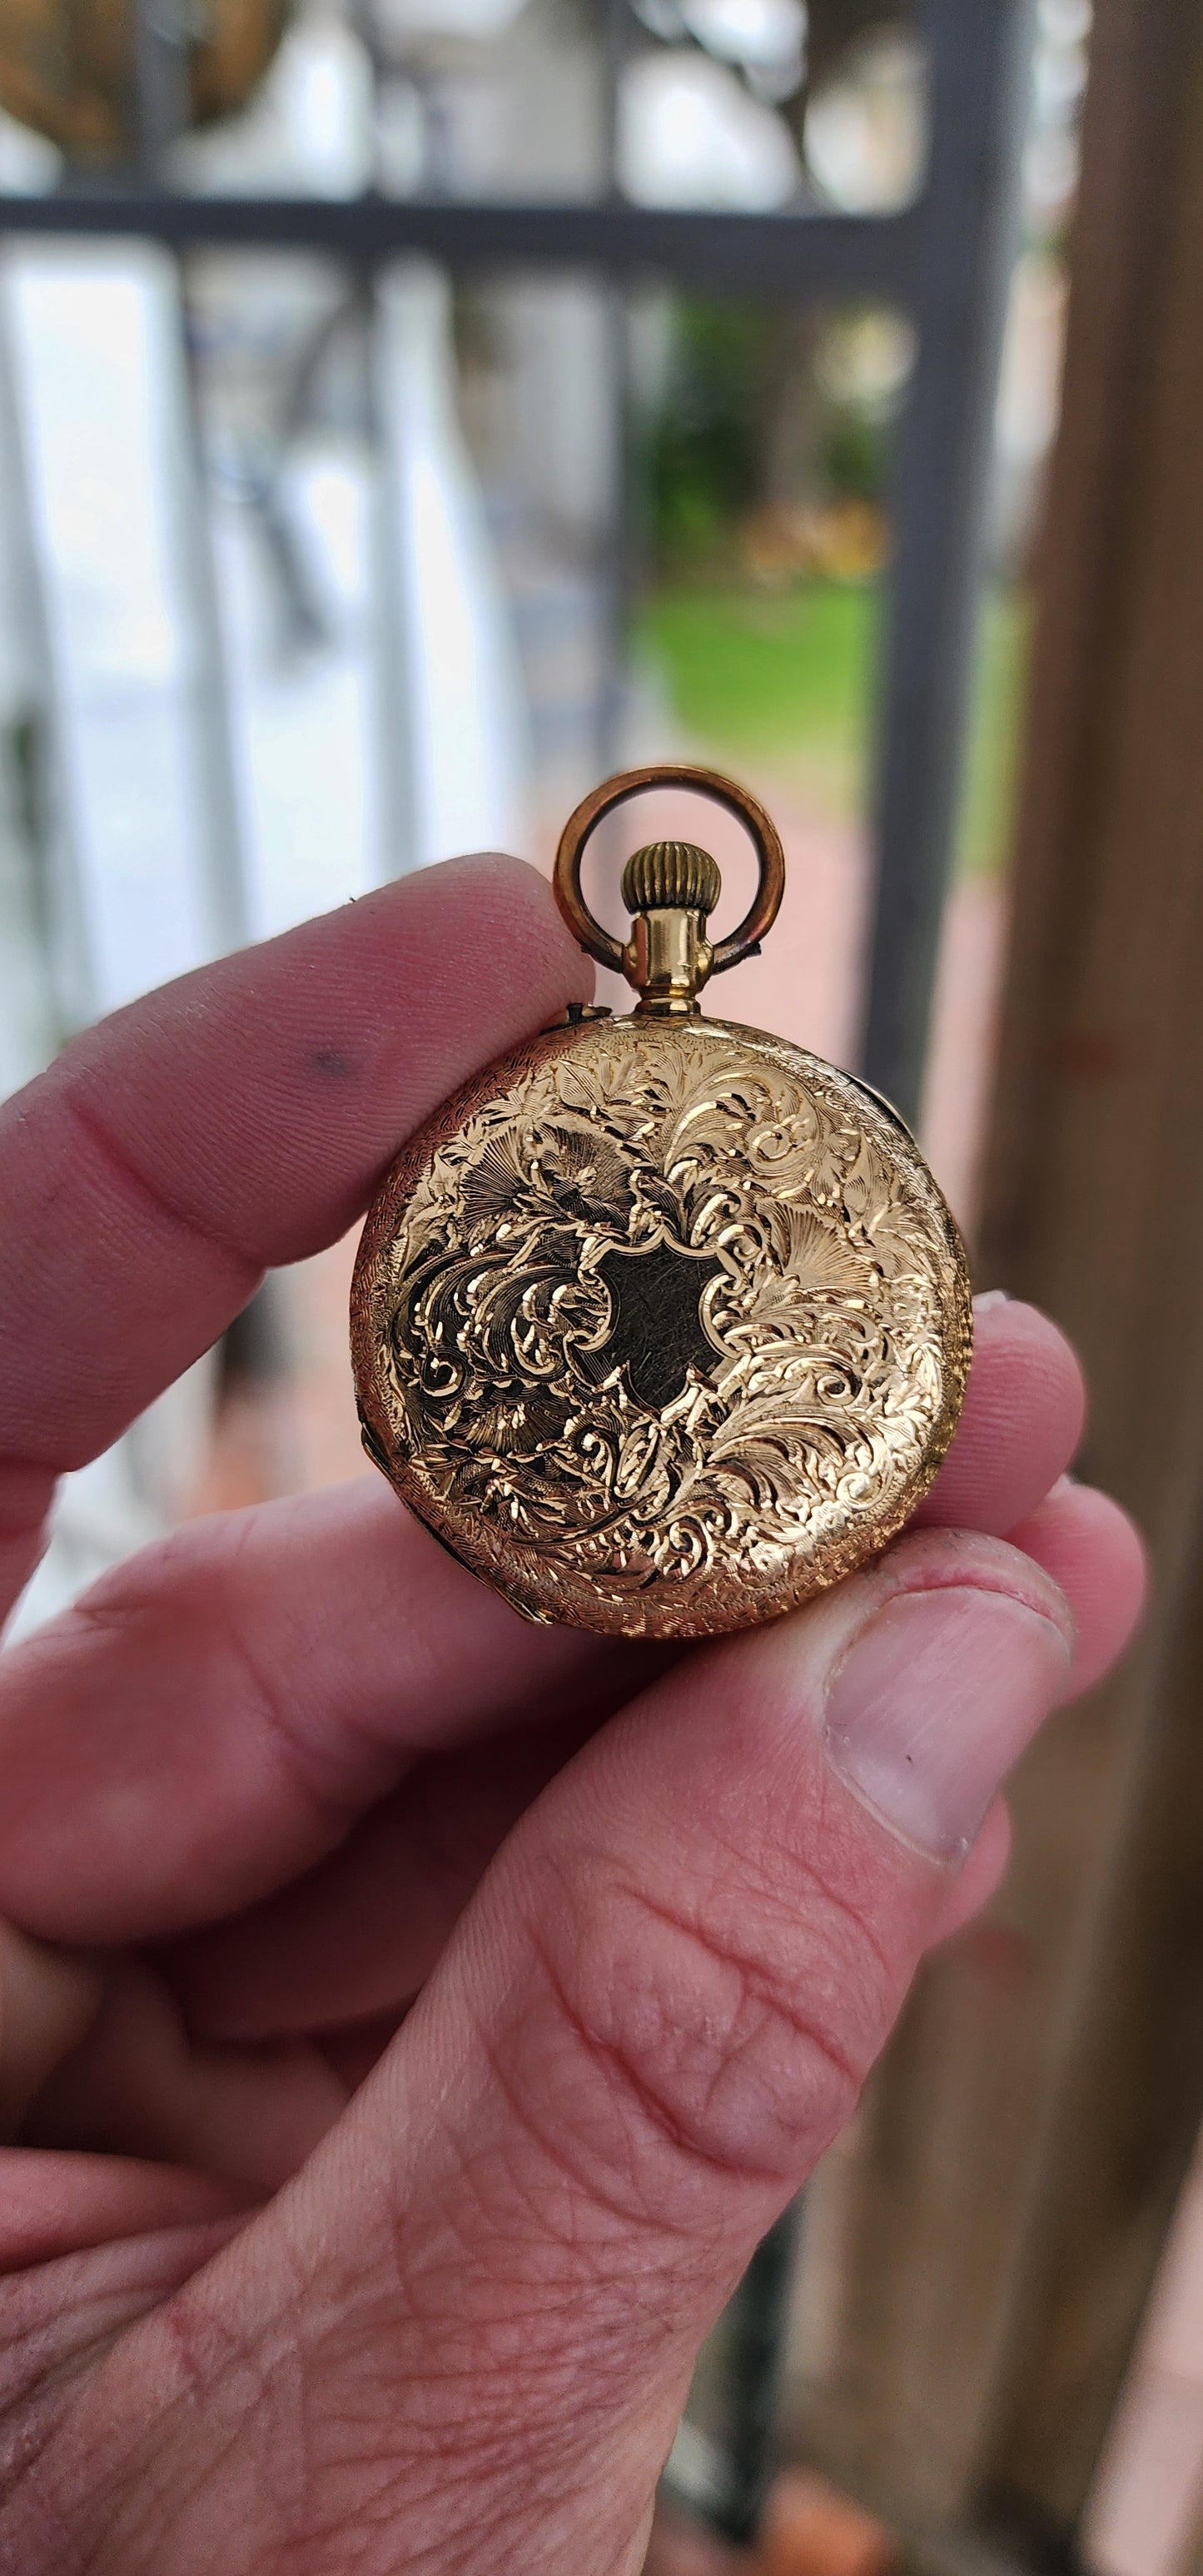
{"x":675,"y":1312}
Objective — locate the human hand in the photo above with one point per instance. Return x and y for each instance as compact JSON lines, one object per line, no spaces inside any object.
{"x":410,"y":2019}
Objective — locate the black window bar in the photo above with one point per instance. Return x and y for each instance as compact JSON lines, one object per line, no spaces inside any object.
{"x":945,"y":261}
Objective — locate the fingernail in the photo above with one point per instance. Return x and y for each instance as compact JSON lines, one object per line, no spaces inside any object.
{"x":991,"y":1297}
{"x":934,"y":1702}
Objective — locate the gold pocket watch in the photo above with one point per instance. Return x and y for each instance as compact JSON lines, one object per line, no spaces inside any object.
{"x":661,"y":1324}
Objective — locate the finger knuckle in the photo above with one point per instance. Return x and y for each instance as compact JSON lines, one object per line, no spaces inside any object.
{"x":729,"y":2034}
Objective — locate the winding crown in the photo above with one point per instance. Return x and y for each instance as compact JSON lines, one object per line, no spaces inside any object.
{"x":671,"y":876}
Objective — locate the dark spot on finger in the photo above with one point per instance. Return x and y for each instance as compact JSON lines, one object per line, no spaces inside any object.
{"x":333,"y":1063}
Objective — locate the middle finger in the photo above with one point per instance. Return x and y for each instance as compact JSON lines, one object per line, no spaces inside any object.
{"x":356,"y":1938}
{"x":215,"y":1715}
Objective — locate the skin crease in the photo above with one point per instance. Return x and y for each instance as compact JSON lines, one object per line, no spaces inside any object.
{"x":411,"y":2019}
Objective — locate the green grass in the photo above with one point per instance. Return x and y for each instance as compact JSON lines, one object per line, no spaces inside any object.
{"x":991,"y":757}
{"x":786,"y":679}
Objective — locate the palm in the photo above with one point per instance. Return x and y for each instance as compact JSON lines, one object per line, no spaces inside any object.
{"x":254,"y":1780}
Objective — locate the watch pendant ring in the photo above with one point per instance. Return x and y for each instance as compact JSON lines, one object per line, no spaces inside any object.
{"x":762,"y":832}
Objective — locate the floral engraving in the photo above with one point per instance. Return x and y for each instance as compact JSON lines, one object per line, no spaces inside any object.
{"x":805,"y":1273}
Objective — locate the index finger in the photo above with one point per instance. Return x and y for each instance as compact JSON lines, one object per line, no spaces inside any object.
{"x":235,"y":1120}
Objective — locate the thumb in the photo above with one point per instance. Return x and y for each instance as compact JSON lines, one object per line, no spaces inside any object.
{"x":468,"y":2327}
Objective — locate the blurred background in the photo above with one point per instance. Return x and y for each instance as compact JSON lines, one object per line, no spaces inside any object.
{"x":411,"y":410}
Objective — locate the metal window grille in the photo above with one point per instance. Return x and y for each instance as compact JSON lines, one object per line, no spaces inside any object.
{"x":944,"y":261}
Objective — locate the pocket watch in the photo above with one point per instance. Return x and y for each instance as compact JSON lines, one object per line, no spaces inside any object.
{"x":661,"y":1324}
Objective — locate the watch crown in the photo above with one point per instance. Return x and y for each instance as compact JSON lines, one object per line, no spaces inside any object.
{"x":671,"y":876}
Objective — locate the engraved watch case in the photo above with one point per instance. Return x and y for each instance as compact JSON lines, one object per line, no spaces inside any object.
{"x":661,"y":1324}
